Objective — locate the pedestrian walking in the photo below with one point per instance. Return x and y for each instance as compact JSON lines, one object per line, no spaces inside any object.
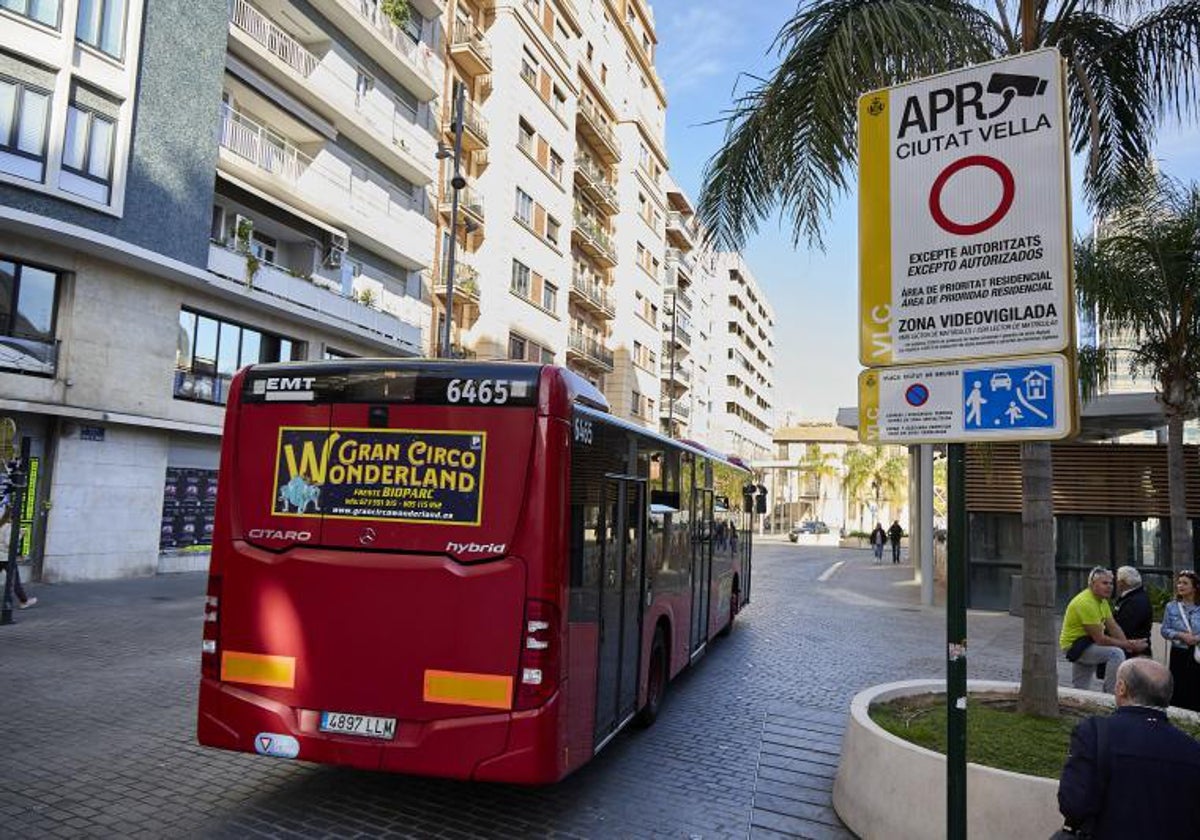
{"x":1181,"y":627}
{"x":1132,"y":774}
{"x":895,"y":534}
{"x":878,"y":540}
{"x":1091,"y":636}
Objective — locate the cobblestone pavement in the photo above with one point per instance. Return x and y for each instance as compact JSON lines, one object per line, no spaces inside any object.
{"x":99,"y":709}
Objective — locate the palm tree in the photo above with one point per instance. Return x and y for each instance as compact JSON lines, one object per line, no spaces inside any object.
{"x":821,"y":466}
{"x":874,"y":474}
{"x":790,"y":146}
{"x":1141,"y":276}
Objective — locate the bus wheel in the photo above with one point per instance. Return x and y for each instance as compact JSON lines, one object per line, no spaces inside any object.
{"x":656,"y":681}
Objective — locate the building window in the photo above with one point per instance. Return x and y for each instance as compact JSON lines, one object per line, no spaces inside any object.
{"x":636,"y":401}
{"x":520,"y":279}
{"x":516,"y":346}
{"x":525,"y":135}
{"x":559,"y":101}
{"x":264,"y":248}
{"x":556,"y":166}
{"x":24,"y":113}
{"x":529,"y":68}
{"x":210,"y":350}
{"x":88,"y":154}
{"x":552,"y":228}
{"x":524,"y":206}
{"x":414,"y":25}
{"x":43,"y":11}
{"x":549,"y":296}
{"x":28,"y":298}
{"x":101,"y":24}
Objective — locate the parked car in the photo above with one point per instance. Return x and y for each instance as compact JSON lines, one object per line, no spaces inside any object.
{"x":812,"y":526}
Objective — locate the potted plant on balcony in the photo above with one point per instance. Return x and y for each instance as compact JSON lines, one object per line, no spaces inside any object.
{"x":396,"y":11}
{"x":242,"y":235}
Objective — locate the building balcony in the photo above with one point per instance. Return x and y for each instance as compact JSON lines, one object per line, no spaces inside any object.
{"x":415,"y":64}
{"x":470,"y":202}
{"x":368,"y":118}
{"x":348,"y":198}
{"x":680,"y":410}
{"x":475,"y":125}
{"x":593,"y":125}
{"x":470,"y":49}
{"x":596,"y":184}
{"x":682,"y":374}
{"x":589,"y":352}
{"x":466,"y":292}
{"x":275,"y":40}
{"x":680,"y":260}
{"x":325,"y":302}
{"x":681,"y":231}
{"x":682,"y":299}
{"x":593,"y":240}
{"x":592,"y":295}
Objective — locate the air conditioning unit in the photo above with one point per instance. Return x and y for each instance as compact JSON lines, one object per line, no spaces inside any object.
{"x":335,"y":250}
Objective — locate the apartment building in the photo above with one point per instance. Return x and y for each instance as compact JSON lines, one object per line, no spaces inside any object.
{"x":680,"y":326}
{"x":186,"y":188}
{"x":744,"y":338}
{"x":559,"y":240}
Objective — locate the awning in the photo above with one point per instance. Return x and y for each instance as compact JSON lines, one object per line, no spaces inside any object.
{"x":278,"y":202}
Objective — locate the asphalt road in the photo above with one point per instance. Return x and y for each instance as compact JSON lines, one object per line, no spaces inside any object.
{"x":100,"y":703}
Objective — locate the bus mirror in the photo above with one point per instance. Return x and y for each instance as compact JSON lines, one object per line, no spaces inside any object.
{"x":664,"y":499}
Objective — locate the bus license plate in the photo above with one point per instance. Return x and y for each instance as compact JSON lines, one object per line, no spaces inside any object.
{"x":362,"y":725}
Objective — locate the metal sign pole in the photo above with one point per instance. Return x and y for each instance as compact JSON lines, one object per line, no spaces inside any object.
{"x":956,"y":645}
{"x":16,"y":499}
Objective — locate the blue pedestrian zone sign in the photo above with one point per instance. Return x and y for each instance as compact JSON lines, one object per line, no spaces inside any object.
{"x":1009,"y":397}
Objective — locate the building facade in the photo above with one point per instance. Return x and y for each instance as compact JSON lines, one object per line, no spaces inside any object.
{"x":186,"y":188}
{"x":744,"y":363}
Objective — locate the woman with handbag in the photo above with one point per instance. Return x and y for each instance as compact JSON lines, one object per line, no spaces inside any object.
{"x":1181,"y":627}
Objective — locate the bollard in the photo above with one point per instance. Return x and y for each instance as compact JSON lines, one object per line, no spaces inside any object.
{"x":16,"y":497}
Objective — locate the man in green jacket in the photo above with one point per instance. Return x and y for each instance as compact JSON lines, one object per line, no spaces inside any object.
{"x":1091,"y":636}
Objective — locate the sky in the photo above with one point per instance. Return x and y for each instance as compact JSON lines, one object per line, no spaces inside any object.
{"x":705,"y":53}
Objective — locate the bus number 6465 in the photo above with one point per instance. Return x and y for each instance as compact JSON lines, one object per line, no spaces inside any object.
{"x":483,"y":392}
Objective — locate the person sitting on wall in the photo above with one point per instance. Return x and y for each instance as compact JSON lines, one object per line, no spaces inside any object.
{"x":1132,"y":608}
{"x":1091,"y":636}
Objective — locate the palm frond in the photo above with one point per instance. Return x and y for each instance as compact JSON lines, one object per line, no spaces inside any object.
{"x":790,"y":141}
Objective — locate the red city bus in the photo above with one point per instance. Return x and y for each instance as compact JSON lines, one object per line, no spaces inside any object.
{"x":456,"y":569}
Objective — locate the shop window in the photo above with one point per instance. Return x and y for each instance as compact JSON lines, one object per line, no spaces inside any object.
{"x":210,"y":350}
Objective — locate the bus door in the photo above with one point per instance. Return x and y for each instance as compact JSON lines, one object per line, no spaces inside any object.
{"x":702,"y":522}
{"x":622,"y":521}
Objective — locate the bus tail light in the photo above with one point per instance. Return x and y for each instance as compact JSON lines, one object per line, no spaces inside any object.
{"x":537,"y":679}
{"x":210,"y":656}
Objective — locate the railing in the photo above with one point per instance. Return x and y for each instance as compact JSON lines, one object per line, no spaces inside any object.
{"x":681,"y":297}
{"x":680,"y":374}
{"x":473,"y":120}
{"x":28,"y":355}
{"x":676,"y":219}
{"x":466,"y":276}
{"x":676,"y":257}
{"x":418,"y":54}
{"x":591,"y":228}
{"x":280,"y":44}
{"x":596,"y":175}
{"x":590,"y":347}
{"x":270,"y":152}
{"x":468,"y":199}
{"x":593,"y":290}
{"x":683,"y":336}
{"x":469,"y":35}
{"x":261,"y":146}
{"x":680,"y":410}
{"x":591,"y":112}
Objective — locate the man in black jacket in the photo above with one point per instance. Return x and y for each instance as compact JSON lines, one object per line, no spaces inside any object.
{"x":895,"y":534}
{"x":1132,"y":609}
{"x":1140,"y":776}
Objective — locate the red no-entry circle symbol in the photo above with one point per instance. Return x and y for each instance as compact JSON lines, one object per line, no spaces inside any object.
{"x":1008,"y":190}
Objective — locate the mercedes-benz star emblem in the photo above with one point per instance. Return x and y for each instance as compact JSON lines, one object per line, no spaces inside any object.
{"x":367,"y":536}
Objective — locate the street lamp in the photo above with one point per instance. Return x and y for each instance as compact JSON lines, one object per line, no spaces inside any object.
{"x":457,"y":184}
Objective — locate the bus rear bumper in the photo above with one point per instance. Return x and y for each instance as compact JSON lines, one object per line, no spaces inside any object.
{"x":508,"y":747}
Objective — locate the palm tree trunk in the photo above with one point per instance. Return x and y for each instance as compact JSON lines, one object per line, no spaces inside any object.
{"x":1181,"y":531}
{"x":1039,"y":661}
